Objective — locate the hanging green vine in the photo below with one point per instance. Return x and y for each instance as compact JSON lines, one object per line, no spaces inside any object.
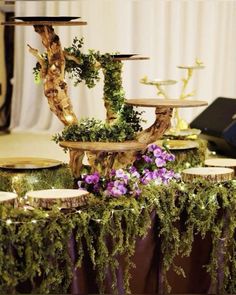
{"x":33,"y":244}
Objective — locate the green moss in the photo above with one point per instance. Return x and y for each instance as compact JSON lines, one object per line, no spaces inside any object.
{"x":108,"y":228}
{"x":23,"y":181}
{"x":190,"y":157}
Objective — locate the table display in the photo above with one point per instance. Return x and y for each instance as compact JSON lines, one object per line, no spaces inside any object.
{"x":126,"y":222}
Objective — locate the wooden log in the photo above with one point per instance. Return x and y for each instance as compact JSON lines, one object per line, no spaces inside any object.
{"x":222,"y":162}
{"x":53,"y":75}
{"x":8,"y":198}
{"x":64,"y":198}
{"x":158,"y":128}
{"x":102,"y":156}
{"x":212,"y":174}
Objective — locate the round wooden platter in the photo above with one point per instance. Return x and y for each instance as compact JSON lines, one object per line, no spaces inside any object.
{"x":22,"y":163}
{"x":44,"y":23}
{"x":212,"y":174}
{"x":172,"y":103}
{"x":178,"y":144}
{"x":221,"y":162}
{"x":64,"y":198}
{"x":8,"y":197}
{"x":104,"y":146}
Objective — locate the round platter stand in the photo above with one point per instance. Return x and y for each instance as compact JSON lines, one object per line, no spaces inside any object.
{"x":103,"y":156}
{"x":222,"y":162}
{"x":164,"y":109}
{"x":63,"y":198}
{"x":8,"y":198}
{"x":158,"y":83}
{"x":214,"y":175}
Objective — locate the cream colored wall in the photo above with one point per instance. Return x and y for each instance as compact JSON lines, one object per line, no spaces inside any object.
{"x":2,"y":62}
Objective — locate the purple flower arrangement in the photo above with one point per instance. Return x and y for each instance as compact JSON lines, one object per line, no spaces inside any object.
{"x":148,"y":167}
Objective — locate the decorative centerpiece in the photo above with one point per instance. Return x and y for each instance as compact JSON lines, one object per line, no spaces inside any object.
{"x":134,"y":212}
{"x":123,"y":123}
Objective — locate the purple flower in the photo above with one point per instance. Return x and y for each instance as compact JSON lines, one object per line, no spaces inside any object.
{"x":133,"y":171}
{"x":80,"y":184}
{"x":160,"y":162}
{"x":168,"y":157}
{"x":135,"y":174}
{"x":147,"y":159}
{"x":120,"y":173}
{"x":158,"y":152}
{"x":116,"y":188}
{"x":148,"y":176}
{"x":152,"y":147}
{"x":112,"y":172}
{"x":136,"y":191}
{"x":92,"y":178}
{"x":161,"y":171}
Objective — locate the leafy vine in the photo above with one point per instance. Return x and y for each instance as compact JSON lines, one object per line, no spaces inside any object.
{"x":33,"y":245}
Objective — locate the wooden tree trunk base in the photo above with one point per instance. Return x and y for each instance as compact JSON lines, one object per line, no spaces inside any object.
{"x":64,"y":198}
{"x":222,"y":162}
{"x":212,"y":174}
{"x":158,"y":128}
{"x":8,"y":198}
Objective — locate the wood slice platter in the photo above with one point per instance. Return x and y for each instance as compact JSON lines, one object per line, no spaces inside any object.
{"x":8,"y":197}
{"x":212,"y":174}
{"x":172,"y":103}
{"x":28,"y":163}
{"x":221,"y":162}
{"x":64,"y":198}
{"x":178,"y":144}
{"x":104,"y":146}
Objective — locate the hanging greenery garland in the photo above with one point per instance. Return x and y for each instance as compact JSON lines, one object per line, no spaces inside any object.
{"x":33,"y":244}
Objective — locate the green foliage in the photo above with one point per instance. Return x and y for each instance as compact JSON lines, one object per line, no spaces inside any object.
{"x":87,"y":70}
{"x":190,"y":157}
{"x":96,"y":130}
{"x":85,"y":67}
{"x":114,"y":94}
{"x":27,"y":180}
{"x":35,"y":252}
